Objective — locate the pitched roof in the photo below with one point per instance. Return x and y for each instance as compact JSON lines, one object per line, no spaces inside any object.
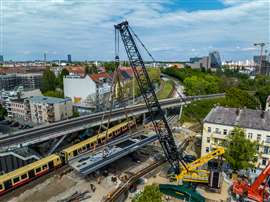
{"x":97,"y":77}
{"x":78,"y":70}
{"x":244,"y":118}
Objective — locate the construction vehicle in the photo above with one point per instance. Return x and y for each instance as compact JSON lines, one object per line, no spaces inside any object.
{"x":172,"y":154}
{"x":258,"y":191}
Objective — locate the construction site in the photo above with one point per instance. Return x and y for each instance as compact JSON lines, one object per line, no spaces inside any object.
{"x":129,"y":151}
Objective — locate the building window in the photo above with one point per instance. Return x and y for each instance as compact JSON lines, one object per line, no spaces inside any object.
{"x":266,"y":150}
{"x":207,"y":149}
{"x":225,"y":132}
{"x":209,"y":130}
{"x":217,"y":131}
{"x":208,"y":139}
{"x":250,"y":135}
{"x":259,"y":136}
{"x":267,"y":139}
{"x":264,"y":161}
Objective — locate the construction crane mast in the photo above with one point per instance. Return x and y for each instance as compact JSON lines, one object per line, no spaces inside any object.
{"x":261,"y":45}
{"x":147,"y":90}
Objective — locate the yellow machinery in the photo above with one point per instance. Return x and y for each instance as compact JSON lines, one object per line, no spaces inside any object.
{"x":191,"y":174}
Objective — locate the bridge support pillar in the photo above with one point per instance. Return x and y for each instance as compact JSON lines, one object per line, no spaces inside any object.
{"x":180,"y":112}
{"x":144,"y":118}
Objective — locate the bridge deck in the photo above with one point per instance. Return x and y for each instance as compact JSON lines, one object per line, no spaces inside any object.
{"x":90,"y":162}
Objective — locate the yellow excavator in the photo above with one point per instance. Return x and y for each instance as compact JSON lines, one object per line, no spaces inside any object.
{"x":190,"y":173}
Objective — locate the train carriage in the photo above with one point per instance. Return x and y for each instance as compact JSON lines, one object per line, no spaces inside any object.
{"x":96,"y":140}
{"x":28,"y":173}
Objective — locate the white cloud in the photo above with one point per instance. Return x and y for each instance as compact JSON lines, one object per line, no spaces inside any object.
{"x":85,"y":28}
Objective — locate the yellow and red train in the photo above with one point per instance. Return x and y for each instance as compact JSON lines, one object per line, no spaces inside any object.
{"x":38,"y":168}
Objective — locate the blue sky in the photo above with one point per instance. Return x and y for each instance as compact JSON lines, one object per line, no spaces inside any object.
{"x":171,"y":29}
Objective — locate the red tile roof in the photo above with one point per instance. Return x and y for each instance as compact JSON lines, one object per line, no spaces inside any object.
{"x":98,"y":76}
{"x":78,"y":70}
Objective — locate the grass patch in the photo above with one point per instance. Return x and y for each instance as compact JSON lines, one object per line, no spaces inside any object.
{"x":167,"y":88}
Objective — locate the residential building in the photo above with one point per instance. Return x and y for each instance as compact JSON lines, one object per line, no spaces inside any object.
{"x":48,"y":109}
{"x":220,"y":121}
{"x":267,"y":106}
{"x":28,"y":81}
{"x":80,"y":88}
{"x":76,"y":70}
{"x":17,"y":111}
{"x":8,"y":81}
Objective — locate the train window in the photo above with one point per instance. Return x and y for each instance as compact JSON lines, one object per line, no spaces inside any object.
{"x":24,"y":176}
{"x":103,"y":139}
{"x":44,"y":167}
{"x":92,"y":144}
{"x":16,"y":179}
{"x":110,"y":135}
{"x":38,"y":170}
{"x":99,"y":141}
{"x":1,"y":186}
{"x":88,"y":146}
{"x":84,"y":148}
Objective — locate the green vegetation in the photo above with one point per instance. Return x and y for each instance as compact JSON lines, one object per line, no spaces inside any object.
{"x":59,"y":79}
{"x":50,"y":83}
{"x":150,"y":193}
{"x":200,"y":82}
{"x":3,"y":112}
{"x":234,"y":97}
{"x":154,"y":74}
{"x":166,"y":89}
{"x":91,"y":69}
{"x":58,"y":94}
{"x":240,"y":152}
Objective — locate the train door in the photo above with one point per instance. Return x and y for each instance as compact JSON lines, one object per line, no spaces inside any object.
{"x":8,"y":184}
{"x":31,"y":174}
{"x":51,"y":166}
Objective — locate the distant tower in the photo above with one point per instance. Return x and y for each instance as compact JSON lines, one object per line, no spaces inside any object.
{"x":69,"y":58}
{"x":1,"y":59}
{"x":45,"y":57}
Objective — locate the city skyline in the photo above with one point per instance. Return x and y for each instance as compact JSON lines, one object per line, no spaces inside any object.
{"x":171,"y":30}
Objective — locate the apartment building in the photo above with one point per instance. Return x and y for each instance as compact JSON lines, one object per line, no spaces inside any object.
{"x":48,"y":109}
{"x":220,"y":121}
{"x":28,"y":81}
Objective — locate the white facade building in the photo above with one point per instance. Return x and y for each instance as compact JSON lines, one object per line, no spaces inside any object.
{"x":267,"y":106}
{"x":80,"y":88}
{"x":220,"y":121}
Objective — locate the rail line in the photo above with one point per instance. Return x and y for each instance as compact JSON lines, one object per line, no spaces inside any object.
{"x":126,"y":186}
{"x":46,"y":132}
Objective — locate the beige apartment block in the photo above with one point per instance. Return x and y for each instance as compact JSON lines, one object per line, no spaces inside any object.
{"x":220,"y":121}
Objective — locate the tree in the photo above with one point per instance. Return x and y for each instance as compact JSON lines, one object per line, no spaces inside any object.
{"x":91,"y":69}
{"x":3,"y":112}
{"x":236,"y":97}
{"x":262,"y":95}
{"x":150,"y":193}
{"x":48,"y":81}
{"x":240,"y":152}
{"x":60,"y":77}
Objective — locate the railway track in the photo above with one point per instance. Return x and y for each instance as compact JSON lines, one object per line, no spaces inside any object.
{"x":43,"y":133}
{"x":126,"y":186}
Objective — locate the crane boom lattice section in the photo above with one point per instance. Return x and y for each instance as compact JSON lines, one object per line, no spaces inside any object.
{"x":147,"y":90}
